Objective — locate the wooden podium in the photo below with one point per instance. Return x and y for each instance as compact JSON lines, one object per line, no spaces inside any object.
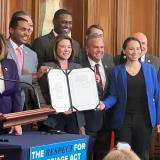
{"x":25,"y":117}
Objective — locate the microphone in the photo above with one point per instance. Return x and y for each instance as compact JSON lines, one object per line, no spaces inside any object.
{"x":34,"y":91}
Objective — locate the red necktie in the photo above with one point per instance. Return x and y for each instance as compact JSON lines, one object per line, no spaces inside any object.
{"x":99,"y":84}
{"x":20,"y":58}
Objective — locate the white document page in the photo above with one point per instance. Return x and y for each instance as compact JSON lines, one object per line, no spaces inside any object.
{"x":83,"y":89}
{"x":58,"y":90}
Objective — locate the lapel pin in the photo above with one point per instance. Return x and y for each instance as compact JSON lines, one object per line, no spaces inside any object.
{"x":6,"y":69}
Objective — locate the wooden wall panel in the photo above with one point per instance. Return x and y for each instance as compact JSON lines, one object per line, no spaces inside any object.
{"x":103,"y":12}
{"x":143,"y":19}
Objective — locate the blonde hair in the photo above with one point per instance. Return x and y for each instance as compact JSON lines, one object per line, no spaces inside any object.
{"x":121,"y":155}
{"x":3,"y":48}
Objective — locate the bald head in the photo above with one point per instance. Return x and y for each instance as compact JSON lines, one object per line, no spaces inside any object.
{"x":143,"y":39}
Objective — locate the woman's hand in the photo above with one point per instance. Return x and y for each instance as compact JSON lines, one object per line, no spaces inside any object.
{"x":17,"y":129}
{"x":101,"y":106}
{"x":68,"y":112}
{"x":42,"y":70}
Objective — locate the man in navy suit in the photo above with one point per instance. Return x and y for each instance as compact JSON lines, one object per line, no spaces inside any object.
{"x":96,"y":121}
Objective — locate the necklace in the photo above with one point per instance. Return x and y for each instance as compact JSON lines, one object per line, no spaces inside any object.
{"x":133,"y":70}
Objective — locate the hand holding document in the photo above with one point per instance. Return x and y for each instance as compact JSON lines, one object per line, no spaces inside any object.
{"x":75,"y":89}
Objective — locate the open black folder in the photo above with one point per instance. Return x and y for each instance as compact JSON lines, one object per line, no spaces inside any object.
{"x":75,"y":89}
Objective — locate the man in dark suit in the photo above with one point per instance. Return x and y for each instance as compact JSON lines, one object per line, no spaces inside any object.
{"x":146,"y":57}
{"x":62,"y":23}
{"x":95,"y":119}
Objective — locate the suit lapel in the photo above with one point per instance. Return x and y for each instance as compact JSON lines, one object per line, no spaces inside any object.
{"x":12,"y":54}
{"x":148,"y":59}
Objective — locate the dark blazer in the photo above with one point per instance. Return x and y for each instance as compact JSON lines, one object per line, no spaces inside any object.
{"x":118,"y":94}
{"x":94,"y":119}
{"x":10,"y":99}
{"x":42,"y":46}
{"x":53,"y":120}
{"x":155,"y":61}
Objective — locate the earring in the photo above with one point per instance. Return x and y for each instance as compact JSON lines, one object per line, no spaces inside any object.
{"x":124,"y":56}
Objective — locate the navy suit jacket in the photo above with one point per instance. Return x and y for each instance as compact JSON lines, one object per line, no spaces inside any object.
{"x":10,"y":99}
{"x":118,"y":94}
{"x":95,"y":119}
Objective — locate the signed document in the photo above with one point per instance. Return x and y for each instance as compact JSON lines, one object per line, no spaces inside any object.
{"x":75,"y":89}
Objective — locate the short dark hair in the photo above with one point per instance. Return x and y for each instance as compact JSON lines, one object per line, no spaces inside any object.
{"x":97,"y":26}
{"x":14,"y":22}
{"x":92,"y":36}
{"x":55,"y":43}
{"x":20,"y":13}
{"x":60,"y":12}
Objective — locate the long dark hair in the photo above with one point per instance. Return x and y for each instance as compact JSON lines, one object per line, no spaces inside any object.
{"x":123,"y":57}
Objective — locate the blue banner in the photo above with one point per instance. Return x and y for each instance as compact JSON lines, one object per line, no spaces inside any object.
{"x":70,"y":150}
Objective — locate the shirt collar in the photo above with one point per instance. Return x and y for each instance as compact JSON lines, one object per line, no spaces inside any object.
{"x":143,"y":58}
{"x":93,"y":63}
{"x":15,"y":46}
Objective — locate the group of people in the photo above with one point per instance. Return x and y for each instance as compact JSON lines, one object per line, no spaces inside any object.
{"x":128,"y":87}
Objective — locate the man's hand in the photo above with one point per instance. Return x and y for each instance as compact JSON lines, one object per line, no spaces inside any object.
{"x":82,"y":131}
{"x":68,"y":112}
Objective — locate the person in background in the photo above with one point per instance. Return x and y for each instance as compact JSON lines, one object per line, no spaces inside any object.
{"x":62,"y":22}
{"x":97,"y":122}
{"x":93,"y":29}
{"x":62,"y":50}
{"x":145,"y":56}
{"x":135,"y":91}
{"x":10,"y":92}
